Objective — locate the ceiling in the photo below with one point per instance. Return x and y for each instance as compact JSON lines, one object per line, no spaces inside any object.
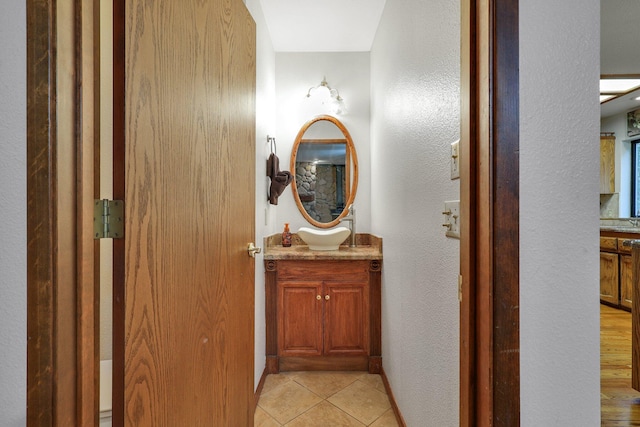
{"x":619,"y":39}
{"x":350,"y":26}
{"x":322,"y":26}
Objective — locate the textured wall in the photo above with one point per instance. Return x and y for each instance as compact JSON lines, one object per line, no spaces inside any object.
{"x":559,"y":179}
{"x":13,"y":207}
{"x":265,"y":125}
{"x":349,"y":73}
{"x":415,"y":117}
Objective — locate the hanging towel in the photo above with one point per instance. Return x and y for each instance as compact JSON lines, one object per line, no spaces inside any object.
{"x":279,"y":179}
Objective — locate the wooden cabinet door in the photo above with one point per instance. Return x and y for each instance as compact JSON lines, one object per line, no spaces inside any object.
{"x":626,"y":281}
{"x":607,"y":164}
{"x":346,"y":323}
{"x":300,"y":306}
{"x":609,"y":277}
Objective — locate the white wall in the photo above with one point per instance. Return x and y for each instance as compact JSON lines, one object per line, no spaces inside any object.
{"x":347,"y":72}
{"x":265,"y":125}
{"x":415,"y":116}
{"x":559,"y":180}
{"x":13,"y":208}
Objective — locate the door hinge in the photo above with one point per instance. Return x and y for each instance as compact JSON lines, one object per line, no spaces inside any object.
{"x":108,"y":219}
{"x":459,"y":288}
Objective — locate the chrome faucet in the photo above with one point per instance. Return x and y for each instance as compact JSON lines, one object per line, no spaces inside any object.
{"x":351,"y":218}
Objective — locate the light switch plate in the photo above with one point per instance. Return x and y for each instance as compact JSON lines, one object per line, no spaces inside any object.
{"x":455,"y":160}
{"x":452,"y":218}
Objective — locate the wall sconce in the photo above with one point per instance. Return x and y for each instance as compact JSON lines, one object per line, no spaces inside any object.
{"x":328,"y":95}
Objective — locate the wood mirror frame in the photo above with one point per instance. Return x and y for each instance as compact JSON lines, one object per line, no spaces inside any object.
{"x":351,"y":168}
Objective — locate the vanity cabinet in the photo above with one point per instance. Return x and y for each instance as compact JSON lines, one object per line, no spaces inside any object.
{"x":323,"y":314}
{"x":323,"y":318}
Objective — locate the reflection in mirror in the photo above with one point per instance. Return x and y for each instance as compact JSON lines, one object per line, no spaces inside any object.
{"x":325,"y":165}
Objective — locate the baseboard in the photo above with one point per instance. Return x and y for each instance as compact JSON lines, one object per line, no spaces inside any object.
{"x":392,"y":400}
{"x":259,"y":389}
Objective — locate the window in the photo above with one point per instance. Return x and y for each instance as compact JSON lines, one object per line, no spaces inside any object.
{"x":635,"y":178}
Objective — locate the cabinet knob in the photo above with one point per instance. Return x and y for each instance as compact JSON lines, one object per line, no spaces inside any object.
{"x":318,"y":297}
{"x":326,"y":297}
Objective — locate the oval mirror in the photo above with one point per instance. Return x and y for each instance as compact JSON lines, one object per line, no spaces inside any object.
{"x":326,"y":171}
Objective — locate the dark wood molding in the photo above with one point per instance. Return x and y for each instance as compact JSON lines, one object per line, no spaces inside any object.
{"x":392,"y":399}
{"x":41,"y":210}
{"x":118,"y":348}
{"x":489,"y":310}
{"x":258,"y":391}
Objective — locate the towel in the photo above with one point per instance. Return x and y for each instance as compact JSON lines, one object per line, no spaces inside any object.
{"x":279,"y":179}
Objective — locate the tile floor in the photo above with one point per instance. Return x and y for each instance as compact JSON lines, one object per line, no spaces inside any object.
{"x":324,"y":399}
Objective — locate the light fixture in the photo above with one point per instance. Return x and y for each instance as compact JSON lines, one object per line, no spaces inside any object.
{"x":328,"y":95}
{"x":615,"y":86}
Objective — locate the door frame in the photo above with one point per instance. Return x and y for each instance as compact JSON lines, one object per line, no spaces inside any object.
{"x":489,"y":203}
{"x":61,"y":312}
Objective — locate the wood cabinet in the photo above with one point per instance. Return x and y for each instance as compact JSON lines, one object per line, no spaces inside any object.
{"x":607,"y":163}
{"x":616,"y":272}
{"x":626,"y":281}
{"x":323,"y":315}
{"x":323,"y":318}
{"x":609,"y":278}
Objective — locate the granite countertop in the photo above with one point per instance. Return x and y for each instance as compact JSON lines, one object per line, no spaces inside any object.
{"x":367,"y":247}
{"x":621,"y":228}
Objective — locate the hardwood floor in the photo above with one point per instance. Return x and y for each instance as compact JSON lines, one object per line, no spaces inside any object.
{"x":619,"y":402}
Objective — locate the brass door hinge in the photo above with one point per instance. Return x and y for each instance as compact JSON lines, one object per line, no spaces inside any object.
{"x":459,"y":288}
{"x":108,"y":219}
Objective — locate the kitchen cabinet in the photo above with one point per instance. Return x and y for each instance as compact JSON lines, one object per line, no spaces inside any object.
{"x":323,"y":314}
{"x":609,"y":286}
{"x":607,"y":163}
{"x":626,"y":281}
{"x":616,"y":272}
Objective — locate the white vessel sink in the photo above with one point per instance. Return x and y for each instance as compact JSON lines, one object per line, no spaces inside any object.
{"x":323,"y":240}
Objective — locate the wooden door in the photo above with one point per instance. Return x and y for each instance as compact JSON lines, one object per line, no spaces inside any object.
{"x":300,"y":312}
{"x":609,"y":277}
{"x":185,"y":77}
{"x":346,"y":323}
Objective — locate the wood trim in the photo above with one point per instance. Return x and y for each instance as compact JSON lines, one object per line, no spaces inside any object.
{"x":489,"y":314}
{"x":41,"y":214}
{"x":324,"y":363}
{"x":61,"y":317}
{"x":271,"y":316}
{"x":258,"y":391}
{"x":392,"y":400}
{"x":118,"y":348}
{"x":87,"y":60}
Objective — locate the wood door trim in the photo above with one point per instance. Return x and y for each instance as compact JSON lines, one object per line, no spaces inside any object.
{"x":62,"y":361}
{"x":41,"y":218}
{"x":489,"y":194}
{"x":118,"y":348}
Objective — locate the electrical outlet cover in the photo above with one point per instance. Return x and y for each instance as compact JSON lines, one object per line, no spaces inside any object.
{"x":455,"y":159}
{"x":452,"y":218}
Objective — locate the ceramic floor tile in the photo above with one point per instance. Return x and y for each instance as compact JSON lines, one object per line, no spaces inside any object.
{"x":362,"y":402}
{"x":373,"y":380}
{"x":388,"y":419}
{"x":326,"y":384}
{"x":274,"y":380}
{"x":322,"y":415}
{"x":287,"y":400}
{"x":262,"y":419}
